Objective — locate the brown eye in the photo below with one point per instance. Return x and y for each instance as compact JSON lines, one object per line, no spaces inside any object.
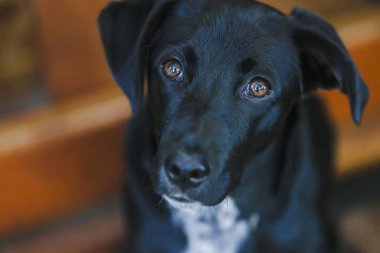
{"x":173,"y":70}
{"x":258,"y":88}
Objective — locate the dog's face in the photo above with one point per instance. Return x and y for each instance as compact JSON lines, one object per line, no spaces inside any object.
{"x":222,"y":78}
{"x":216,"y":87}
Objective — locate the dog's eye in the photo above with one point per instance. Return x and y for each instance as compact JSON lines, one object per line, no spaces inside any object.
{"x":173,"y":70}
{"x":257,"y":88}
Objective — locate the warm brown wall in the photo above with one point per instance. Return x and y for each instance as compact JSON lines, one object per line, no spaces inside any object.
{"x":70,"y":47}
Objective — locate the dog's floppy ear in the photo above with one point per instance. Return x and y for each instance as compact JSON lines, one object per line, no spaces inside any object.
{"x":126,"y":29}
{"x":326,"y":62}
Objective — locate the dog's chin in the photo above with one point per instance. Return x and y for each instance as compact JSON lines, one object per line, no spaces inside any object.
{"x":186,"y":202}
{"x":179,"y":199}
{"x":181,"y":203}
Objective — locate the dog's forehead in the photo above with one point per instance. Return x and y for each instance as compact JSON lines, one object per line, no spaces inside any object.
{"x":197,"y":14}
{"x":191,"y":7}
{"x":238,"y":30}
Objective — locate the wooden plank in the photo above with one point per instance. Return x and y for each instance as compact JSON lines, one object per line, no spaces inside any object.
{"x":357,"y":147}
{"x":64,"y":161}
{"x":72,"y":55}
{"x":74,"y":116}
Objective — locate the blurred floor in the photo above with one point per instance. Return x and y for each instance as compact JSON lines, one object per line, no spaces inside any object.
{"x":361,"y":229}
{"x":96,"y":230}
{"x":102,"y":232}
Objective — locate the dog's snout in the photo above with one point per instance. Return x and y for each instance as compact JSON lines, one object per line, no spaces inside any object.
{"x":186,"y":170}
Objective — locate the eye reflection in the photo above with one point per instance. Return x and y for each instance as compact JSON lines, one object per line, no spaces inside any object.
{"x":258,"y":88}
{"x":173,"y":69}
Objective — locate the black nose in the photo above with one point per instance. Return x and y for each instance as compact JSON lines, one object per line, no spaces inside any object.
{"x":186,"y":170}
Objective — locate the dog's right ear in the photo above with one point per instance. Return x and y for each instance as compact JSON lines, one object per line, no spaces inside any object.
{"x":127,"y":28}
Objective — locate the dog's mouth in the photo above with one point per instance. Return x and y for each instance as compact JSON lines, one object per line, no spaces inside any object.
{"x":183,"y":200}
{"x":208,"y":193}
{"x":182,"y":203}
{"x":178,"y":198}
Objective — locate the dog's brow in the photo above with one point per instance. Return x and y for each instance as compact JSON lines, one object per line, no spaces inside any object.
{"x":247,"y":65}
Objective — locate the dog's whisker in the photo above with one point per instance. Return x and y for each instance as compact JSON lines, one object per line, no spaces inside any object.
{"x":161,"y":201}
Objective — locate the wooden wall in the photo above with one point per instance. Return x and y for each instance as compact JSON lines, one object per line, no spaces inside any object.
{"x":72,"y":55}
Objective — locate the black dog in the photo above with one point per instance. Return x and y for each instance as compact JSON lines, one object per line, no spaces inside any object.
{"x":231,"y":151}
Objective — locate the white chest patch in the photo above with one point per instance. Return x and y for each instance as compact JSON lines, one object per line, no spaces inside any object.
{"x":212,"y":229}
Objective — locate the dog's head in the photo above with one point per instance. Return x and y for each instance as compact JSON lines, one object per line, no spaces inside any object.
{"x":222,"y":78}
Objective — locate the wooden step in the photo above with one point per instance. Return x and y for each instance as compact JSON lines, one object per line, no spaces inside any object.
{"x":60,"y":159}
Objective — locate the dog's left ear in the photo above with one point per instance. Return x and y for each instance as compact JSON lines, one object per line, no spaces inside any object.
{"x":127,"y":28}
{"x":326,"y":62}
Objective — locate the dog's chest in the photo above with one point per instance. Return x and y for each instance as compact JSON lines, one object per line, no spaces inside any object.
{"x":212,"y":229}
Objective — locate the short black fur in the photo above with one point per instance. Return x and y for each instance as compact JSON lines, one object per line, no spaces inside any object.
{"x":202,"y":139}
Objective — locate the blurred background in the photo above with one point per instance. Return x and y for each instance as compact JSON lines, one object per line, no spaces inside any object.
{"x":62,"y":122}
